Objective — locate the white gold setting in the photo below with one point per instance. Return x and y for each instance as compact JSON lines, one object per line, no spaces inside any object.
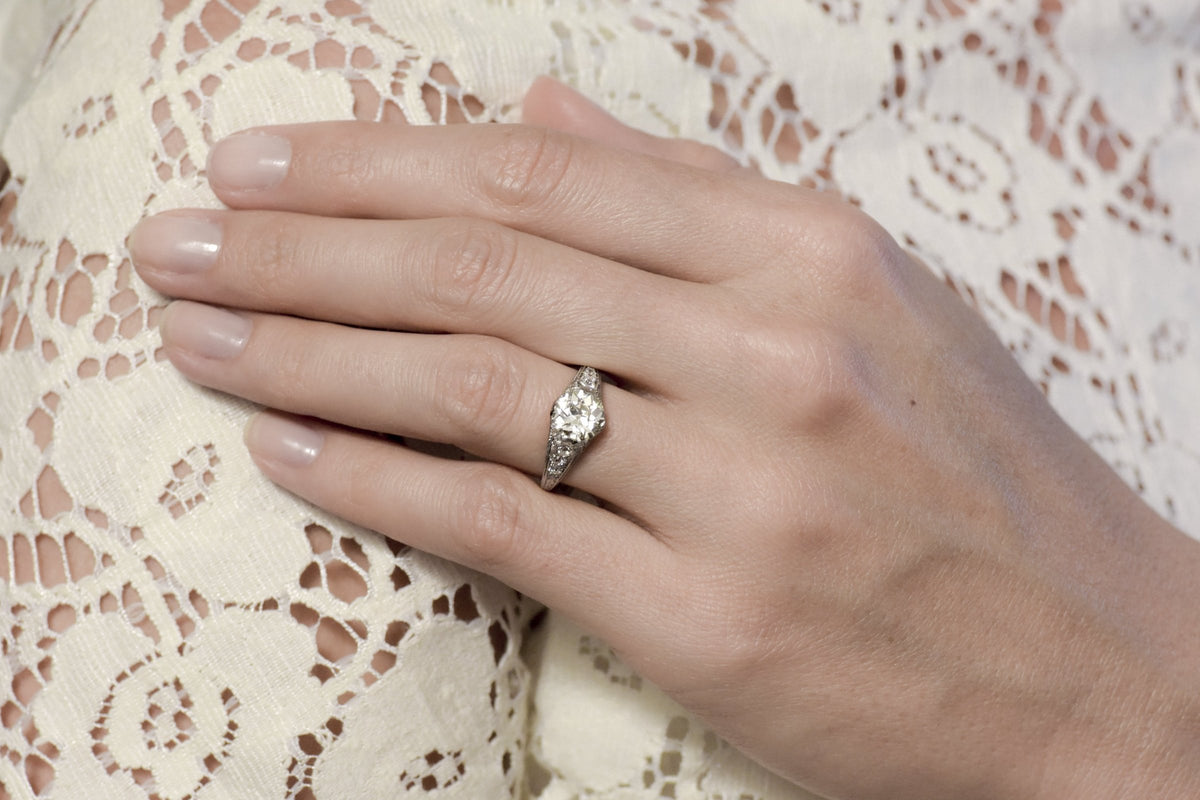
{"x":576,"y":418}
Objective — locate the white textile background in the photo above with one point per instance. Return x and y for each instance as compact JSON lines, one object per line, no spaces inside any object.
{"x":25,"y":28}
{"x":174,"y":626}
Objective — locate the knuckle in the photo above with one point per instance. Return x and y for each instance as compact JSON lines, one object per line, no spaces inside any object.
{"x":285,"y":376}
{"x":814,"y":377}
{"x":728,"y":642}
{"x":267,"y":258}
{"x":490,"y":520}
{"x":864,"y":255}
{"x":524,"y":169}
{"x":472,"y":264}
{"x":835,"y":381}
{"x":349,"y":165}
{"x":704,"y":156}
{"x":362,"y":482}
{"x":743,"y":650}
{"x":481,"y":388}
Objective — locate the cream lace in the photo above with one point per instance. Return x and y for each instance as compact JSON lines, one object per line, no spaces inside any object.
{"x":174,"y":626}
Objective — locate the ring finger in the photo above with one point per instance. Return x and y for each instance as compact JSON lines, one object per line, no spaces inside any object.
{"x":483,"y":394}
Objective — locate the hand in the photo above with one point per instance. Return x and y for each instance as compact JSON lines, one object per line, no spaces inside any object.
{"x":839,"y":524}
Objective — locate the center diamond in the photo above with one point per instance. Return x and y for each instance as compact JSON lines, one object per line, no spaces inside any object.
{"x":578,"y":414}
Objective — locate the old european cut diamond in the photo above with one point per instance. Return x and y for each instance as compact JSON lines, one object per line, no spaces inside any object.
{"x":578,"y":414}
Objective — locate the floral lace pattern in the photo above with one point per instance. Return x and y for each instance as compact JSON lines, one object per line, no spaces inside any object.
{"x":175,"y":627}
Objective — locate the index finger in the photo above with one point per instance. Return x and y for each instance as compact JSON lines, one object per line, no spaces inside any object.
{"x":643,"y":211}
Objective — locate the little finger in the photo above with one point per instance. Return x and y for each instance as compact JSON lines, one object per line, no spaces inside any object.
{"x":601,"y":570}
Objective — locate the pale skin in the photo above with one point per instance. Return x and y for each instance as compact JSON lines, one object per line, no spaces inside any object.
{"x":839,"y":523}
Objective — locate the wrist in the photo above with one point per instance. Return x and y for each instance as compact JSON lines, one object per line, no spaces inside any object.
{"x":1133,"y":736}
{"x":1134,"y":569}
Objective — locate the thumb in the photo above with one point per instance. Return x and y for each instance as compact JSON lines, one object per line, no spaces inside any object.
{"x":553,"y":104}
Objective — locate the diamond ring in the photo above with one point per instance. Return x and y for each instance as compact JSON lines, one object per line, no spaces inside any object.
{"x":576,"y":418}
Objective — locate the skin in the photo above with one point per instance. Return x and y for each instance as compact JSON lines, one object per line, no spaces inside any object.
{"x":839,"y":524}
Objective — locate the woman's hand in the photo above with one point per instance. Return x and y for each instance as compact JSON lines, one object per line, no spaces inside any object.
{"x":839,"y":524}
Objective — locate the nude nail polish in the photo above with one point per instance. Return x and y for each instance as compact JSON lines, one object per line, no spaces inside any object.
{"x":249,"y":162}
{"x":205,"y":331}
{"x":175,"y":243}
{"x":286,"y":441}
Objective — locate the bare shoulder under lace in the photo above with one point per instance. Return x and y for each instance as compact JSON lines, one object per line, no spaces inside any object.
{"x":175,"y":627}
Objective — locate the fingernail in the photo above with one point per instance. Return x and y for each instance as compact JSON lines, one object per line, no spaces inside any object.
{"x":584,"y":99}
{"x":283,"y":440}
{"x":249,"y":162}
{"x":204,"y":330}
{"x":173,"y":243}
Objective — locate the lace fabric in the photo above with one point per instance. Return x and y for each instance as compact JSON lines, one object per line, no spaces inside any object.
{"x":174,"y":626}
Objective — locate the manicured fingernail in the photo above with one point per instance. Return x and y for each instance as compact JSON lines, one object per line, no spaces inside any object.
{"x":584,"y":100}
{"x":249,"y":162}
{"x":205,"y":331}
{"x":286,"y":441}
{"x":172,"y":243}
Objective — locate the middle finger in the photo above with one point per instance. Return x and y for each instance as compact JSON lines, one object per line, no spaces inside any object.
{"x":452,"y":275}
